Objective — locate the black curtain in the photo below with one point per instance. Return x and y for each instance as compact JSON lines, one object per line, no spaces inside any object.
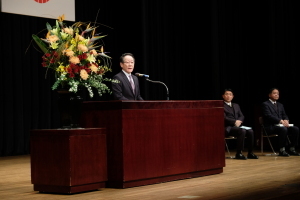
{"x":195,"y":48}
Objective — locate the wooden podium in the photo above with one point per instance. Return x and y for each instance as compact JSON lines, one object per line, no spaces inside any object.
{"x":68,"y":160}
{"x":157,"y":141}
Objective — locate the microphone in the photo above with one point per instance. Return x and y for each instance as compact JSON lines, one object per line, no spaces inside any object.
{"x":142,"y":75}
{"x":147,"y":79}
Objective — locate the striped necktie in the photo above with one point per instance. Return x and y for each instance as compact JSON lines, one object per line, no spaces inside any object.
{"x":132,"y":84}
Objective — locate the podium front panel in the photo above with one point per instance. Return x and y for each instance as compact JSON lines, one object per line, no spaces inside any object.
{"x":156,"y":141}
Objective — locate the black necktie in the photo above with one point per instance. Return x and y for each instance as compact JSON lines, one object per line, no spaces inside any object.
{"x":275,"y":106}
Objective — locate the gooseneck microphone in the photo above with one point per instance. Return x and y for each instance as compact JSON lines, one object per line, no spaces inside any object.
{"x":142,"y":75}
{"x":147,"y":78}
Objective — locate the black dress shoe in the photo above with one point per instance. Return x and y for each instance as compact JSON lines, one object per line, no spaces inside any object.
{"x":252,"y":156}
{"x":294,"y":153}
{"x":240,"y":156}
{"x":284,"y":153}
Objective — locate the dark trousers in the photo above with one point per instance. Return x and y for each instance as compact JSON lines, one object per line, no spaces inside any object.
{"x":240,"y":134}
{"x":282,"y":132}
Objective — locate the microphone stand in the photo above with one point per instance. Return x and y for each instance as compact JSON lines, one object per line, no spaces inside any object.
{"x":160,"y":83}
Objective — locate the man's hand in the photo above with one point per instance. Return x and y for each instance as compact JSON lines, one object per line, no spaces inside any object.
{"x":284,"y":123}
{"x":238,"y":123}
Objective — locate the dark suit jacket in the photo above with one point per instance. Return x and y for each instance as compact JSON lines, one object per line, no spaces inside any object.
{"x":270,"y":115}
{"x":231,"y":115}
{"x":123,"y":90}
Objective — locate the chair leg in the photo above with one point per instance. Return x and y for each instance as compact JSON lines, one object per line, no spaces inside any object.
{"x":229,"y":156}
{"x":288,"y":138}
{"x":274,"y":153}
{"x":262,"y":144}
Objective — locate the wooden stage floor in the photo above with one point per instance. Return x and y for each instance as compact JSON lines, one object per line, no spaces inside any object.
{"x":269,"y":177}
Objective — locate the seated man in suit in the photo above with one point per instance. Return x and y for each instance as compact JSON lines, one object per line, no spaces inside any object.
{"x":128,"y":86}
{"x":276,"y":121}
{"x":233,"y":121}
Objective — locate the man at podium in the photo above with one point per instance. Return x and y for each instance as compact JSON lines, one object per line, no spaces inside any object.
{"x":128,"y":87}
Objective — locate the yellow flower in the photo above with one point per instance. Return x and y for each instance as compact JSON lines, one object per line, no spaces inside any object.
{"x":61,"y":18}
{"x":61,"y":68}
{"x":65,"y":46}
{"x":71,"y":47}
{"x":73,"y":41}
{"x":83,"y":74}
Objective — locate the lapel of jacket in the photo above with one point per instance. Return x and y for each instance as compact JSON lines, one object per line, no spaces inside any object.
{"x":229,"y":109}
{"x":234,"y":109}
{"x":273,"y":106}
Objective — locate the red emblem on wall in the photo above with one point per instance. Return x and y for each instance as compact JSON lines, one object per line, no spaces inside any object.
{"x":42,"y":1}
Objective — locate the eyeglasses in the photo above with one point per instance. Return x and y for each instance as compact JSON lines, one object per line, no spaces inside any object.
{"x":128,"y":62}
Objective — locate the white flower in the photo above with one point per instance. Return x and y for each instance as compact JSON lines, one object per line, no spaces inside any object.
{"x":64,"y":35}
{"x":91,"y":58}
{"x":54,"y":31}
{"x":54,"y":45}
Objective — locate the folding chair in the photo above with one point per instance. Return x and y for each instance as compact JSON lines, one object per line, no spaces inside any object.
{"x":229,"y":138}
{"x":263,"y":135}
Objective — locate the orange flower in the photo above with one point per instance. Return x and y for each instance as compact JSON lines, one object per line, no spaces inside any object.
{"x":69,"y":52}
{"x":94,"y":52}
{"x":82,"y":47}
{"x":52,"y":38}
{"x":94,"y":68}
{"x":83,"y":74}
{"x":68,"y":30}
{"x":74,"y":60}
{"x":79,"y":37}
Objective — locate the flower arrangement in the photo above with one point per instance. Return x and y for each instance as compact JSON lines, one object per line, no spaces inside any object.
{"x":71,"y":52}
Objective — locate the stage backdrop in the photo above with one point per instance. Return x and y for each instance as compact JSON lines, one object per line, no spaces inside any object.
{"x":196,"y":48}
